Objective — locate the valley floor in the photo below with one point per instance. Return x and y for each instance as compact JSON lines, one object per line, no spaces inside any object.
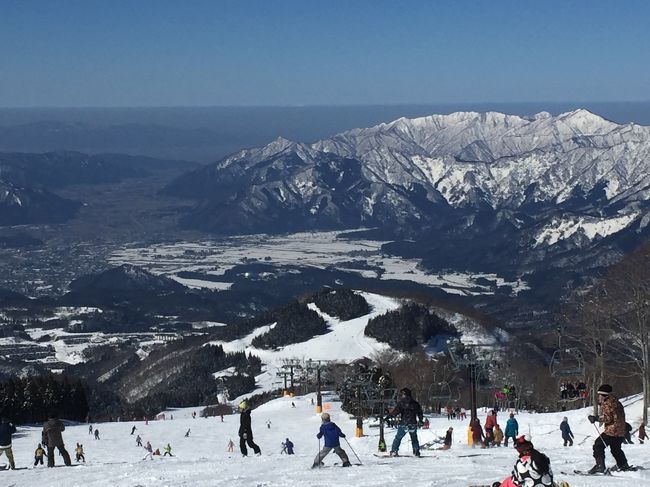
{"x":202,"y":460}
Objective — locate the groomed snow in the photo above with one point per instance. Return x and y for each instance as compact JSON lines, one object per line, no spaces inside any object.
{"x":202,"y":459}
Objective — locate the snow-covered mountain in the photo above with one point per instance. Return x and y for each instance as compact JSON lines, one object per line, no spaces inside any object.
{"x":507,"y":188}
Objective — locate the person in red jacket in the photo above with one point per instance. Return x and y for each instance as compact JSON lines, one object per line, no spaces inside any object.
{"x":490,"y":422}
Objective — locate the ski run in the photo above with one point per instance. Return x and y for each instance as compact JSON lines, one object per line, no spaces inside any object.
{"x":202,"y":459}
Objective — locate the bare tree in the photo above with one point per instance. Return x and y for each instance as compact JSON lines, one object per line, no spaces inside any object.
{"x":628,"y":294}
{"x":589,"y":325}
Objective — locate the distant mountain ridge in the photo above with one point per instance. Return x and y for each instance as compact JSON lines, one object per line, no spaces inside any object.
{"x":411,"y":173}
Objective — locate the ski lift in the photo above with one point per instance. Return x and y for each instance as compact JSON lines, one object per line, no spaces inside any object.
{"x":567,"y":362}
{"x":440,"y":391}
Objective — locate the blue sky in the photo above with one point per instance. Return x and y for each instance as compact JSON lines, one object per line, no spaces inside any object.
{"x":194,"y":52}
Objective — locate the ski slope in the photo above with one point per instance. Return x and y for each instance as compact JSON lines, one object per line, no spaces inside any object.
{"x":202,"y":459}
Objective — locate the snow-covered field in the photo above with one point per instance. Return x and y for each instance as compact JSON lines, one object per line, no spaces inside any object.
{"x":308,"y":249}
{"x":202,"y":459}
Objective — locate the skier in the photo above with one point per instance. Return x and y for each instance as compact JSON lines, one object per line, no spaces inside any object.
{"x":52,"y":436}
{"x":641,"y":433}
{"x":512,"y":429}
{"x":411,"y":415}
{"x":187,"y":433}
{"x":168,"y":451}
{"x":133,"y":430}
{"x":532,"y":469}
{"x":268,"y":424}
{"x":287,"y":447}
{"x":498,"y":435}
{"x":567,"y":434}
{"x":149,"y":451}
{"x":38,"y":455}
{"x":90,"y":429}
{"x":231,"y":445}
{"x":138,"y":441}
{"x":613,"y":417}
{"x":7,"y":429}
{"x":97,"y":433}
{"x":79,"y":452}
{"x":246,"y":431}
{"x":331,"y":432}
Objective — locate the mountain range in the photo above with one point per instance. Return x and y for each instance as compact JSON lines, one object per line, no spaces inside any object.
{"x":489,"y":190}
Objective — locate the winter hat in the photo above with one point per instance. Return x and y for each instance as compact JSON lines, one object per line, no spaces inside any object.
{"x":325,"y":417}
{"x":605,"y":389}
{"x":243,"y":406}
{"x":523,"y":444}
{"x":406,"y":391}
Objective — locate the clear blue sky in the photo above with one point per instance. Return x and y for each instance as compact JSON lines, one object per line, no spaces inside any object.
{"x":273,"y":52}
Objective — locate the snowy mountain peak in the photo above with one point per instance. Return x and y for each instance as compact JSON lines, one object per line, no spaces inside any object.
{"x":586,"y":122}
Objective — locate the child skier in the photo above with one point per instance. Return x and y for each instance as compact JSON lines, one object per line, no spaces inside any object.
{"x":331,"y":432}
{"x":138,"y":441}
{"x":498,"y":435}
{"x":231,"y":445}
{"x":38,"y":455}
{"x":567,"y":434}
{"x":79,"y":451}
{"x":532,"y":469}
{"x":168,"y":450}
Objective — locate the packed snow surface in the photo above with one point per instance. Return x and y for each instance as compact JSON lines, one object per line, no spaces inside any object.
{"x":202,"y":460}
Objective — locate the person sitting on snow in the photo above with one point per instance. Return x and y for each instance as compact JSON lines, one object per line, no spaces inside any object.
{"x":532,"y":469}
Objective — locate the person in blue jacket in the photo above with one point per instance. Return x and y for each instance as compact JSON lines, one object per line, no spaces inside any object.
{"x":512,"y":429}
{"x":567,"y":434}
{"x":331,"y":432}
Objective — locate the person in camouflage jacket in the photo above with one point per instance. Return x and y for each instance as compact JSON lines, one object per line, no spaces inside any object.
{"x":612,"y":416}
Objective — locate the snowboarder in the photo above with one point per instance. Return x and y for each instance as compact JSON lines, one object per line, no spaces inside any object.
{"x":641,"y":433}
{"x":512,"y":429}
{"x":38,"y":455}
{"x":245,"y":430}
{"x":498,"y":435}
{"x":567,"y":434}
{"x":53,"y":438}
{"x":138,"y":441}
{"x":331,"y":432}
{"x":288,"y":446}
{"x":411,"y":415}
{"x":79,"y":453}
{"x":231,"y":445}
{"x":7,"y":429}
{"x":532,"y":469}
{"x":613,"y":417}
{"x":168,"y":451}
{"x":187,"y":433}
{"x":97,"y":433}
{"x":133,"y":430}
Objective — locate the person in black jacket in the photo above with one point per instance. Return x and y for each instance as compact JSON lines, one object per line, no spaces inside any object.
{"x":6,"y":430}
{"x":567,"y":434}
{"x":245,"y":430}
{"x":411,"y":415}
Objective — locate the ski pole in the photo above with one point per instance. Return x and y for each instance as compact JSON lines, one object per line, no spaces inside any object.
{"x":355,"y":453}
{"x":599,"y":434}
